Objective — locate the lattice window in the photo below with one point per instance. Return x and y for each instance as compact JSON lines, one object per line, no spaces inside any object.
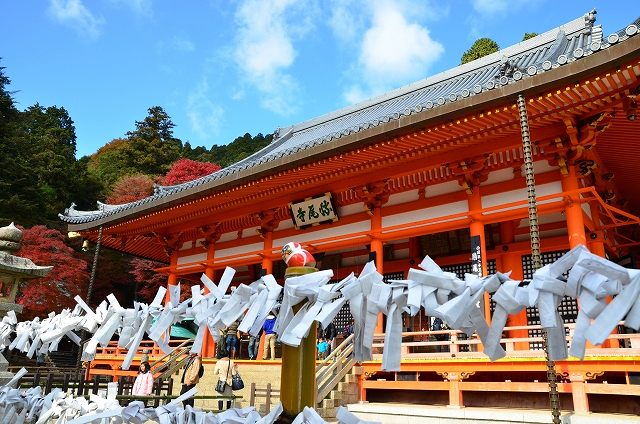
{"x":568,"y":307}
{"x":461,"y":269}
{"x":465,"y":268}
{"x":344,"y":317}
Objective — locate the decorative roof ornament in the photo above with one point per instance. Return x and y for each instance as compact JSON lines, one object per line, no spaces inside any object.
{"x":10,"y":237}
{"x":589,"y":19}
{"x":507,"y":68}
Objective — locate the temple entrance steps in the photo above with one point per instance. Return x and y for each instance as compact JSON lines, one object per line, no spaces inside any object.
{"x":337,"y":379}
{"x":172,"y":362}
{"x":346,"y":392}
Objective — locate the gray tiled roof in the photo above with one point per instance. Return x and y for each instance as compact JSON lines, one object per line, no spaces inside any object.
{"x":555,"y":48}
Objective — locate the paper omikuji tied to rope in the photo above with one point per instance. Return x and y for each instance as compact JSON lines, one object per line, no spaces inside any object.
{"x":578,"y":274}
{"x":31,"y":406}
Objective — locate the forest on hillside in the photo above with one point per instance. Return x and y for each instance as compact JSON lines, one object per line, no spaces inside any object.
{"x":40,"y":176}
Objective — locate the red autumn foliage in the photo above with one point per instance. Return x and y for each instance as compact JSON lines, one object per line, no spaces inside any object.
{"x":68,"y":278}
{"x":147,"y":279}
{"x":130,"y":188}
{"x":112,"y":276}
{"x":184,"y":170}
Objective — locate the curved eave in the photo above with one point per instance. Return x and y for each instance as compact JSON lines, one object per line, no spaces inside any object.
{"x":610,"y":58}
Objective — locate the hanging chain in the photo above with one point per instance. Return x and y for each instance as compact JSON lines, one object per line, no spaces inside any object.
{"x":534,"y":233}
{"x":92,"y":278}
{"x":94,"y":266}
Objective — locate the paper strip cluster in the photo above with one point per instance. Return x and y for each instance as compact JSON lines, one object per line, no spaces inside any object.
{"x":31,"y":406}
{"x":578,"y":274}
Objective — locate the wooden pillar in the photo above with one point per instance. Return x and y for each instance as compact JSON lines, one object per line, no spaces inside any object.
{"x":579,"y":393}
{"x":267,"y":262}
{"x":513,"y":262}
{"x":596,"y":246}
{"x":209,"y":345}
{"x":172,"y":280}
{"x":267,"y":268}
{"x":596,"y":238}
{"x":377,"y":252}
{"x":573,"y":210}
{"x":456,"y":399}
{"x":476,"y":228}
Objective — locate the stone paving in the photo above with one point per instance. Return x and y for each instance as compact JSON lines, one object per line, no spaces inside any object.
{"x":394,"y":413}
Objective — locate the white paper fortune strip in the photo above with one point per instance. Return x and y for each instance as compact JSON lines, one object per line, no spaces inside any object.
{"x":607,"y":293}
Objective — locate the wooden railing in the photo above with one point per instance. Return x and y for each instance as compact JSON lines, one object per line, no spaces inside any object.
{"x":331,"y":370}
{"x":146,"y":346}
{"x":418,"y":344}
{"x":267,"y":393}
{"x":173,"y":361}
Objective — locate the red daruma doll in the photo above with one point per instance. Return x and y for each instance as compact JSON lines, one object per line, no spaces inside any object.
{"x":294,"y":255}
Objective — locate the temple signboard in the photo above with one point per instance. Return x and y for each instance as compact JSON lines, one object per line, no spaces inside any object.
{"x":313,"y":211}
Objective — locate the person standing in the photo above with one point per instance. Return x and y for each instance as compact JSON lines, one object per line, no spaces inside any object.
{"x":225,"y":369}
{"x":323,"y":347}
{"x":254,"y":344}
{"x":193,"y":371}
{"x":330,"y":334}
{"x":439,"y":325}
{"x":232,"y":336}
{"x":270,"y":337}
{"x":143,"y":385}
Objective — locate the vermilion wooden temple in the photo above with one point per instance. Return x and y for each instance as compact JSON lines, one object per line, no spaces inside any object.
{"x":422,"y":170}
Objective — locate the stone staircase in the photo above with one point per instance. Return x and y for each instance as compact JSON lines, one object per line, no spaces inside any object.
{"x":345,"y":392}
{"x":337,"y":380}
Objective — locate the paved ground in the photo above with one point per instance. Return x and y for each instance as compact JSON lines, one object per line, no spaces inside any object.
{"x":395,"y":413}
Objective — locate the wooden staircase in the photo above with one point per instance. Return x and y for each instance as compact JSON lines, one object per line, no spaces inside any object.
{"x":172,"y":362}
{"x":337,"y":380}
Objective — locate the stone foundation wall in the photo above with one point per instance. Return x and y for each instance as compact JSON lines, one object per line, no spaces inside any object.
{"x":259,"y":372}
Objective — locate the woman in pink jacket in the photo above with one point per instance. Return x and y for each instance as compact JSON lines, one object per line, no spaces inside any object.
{"x":144,"y":381}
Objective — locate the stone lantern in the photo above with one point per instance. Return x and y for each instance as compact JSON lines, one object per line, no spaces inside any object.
{"x":13,"y":270}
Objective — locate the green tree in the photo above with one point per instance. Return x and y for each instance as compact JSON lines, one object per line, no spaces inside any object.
{"x":18,"y":193}
{"x":482,"y":47}
{"x":111,"y":162}
{"x":237,"y":150}
{"x":528,"y":35}
{"x":49,"y":139}
{"x":152,"y":148}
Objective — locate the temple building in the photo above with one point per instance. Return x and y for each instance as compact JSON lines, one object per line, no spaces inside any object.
{"x":436,"y":168}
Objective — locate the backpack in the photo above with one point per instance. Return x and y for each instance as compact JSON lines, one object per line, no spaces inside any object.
{"x":437,"y":324}
{"x":194,"y":371}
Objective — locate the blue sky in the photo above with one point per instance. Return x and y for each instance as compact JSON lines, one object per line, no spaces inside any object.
{"x":221,"y":68}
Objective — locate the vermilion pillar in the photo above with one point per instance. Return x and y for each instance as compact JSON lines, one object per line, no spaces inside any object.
{"x":209,"y":346}
{"x":596,"y":246}
{"x":173,"y":277}
{"x":267,"y":262}
{"x":476,"y":228}
{"x":513,"y":262}
{"x":376,"y":248}
{"x":267,"y":268}
{"x":596,"y":238}
{"x":573,"y":210}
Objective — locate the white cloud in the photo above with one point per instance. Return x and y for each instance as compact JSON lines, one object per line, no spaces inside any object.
{"x":347,"y":20}
{"x":205,"y":117}
{"x":499,"y":7}
{"x":264,"y":49}
{"x":395,"y":50}
{"x":74,"y":14}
